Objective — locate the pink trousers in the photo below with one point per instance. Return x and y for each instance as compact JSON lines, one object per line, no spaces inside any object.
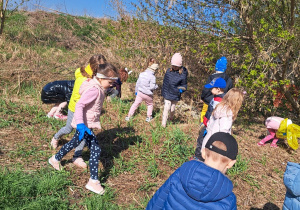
{"x":138,"y":100}
{"x":272,"y":135}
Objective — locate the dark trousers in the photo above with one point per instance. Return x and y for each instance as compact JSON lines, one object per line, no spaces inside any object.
{"x":198,"y":153}
{"x":93,"y":145}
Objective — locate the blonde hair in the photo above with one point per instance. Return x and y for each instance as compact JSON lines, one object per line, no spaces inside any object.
{"x":216,"y":157}
{"x":232,"y":101}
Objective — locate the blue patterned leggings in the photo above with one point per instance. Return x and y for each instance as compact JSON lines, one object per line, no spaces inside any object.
{"x":93,"y":145}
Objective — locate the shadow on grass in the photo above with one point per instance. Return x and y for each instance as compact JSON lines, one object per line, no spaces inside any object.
{"x":267,"y":206}
{"x":112,"y":142}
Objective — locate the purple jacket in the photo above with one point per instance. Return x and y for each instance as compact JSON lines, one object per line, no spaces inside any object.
{"x":146,"y":82}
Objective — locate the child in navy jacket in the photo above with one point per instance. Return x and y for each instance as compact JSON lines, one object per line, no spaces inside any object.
{"x":174,"y":84}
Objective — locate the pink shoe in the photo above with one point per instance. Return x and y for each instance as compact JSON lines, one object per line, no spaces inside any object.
{"x":80,"y":163}
{"x":261,"y":143}
{"x":54,"y":143}
{"x":55,"y":163}
{"x":274,"y":145}
{"x":61,"y":117}
{"x":95,"y":186}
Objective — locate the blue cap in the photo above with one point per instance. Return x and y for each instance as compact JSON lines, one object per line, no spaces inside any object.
{"x":221,"y":64}
{"x":216,"y":83}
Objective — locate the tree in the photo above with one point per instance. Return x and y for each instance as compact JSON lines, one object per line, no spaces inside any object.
{"x":6,"y":5}
{"x":260,"y":38}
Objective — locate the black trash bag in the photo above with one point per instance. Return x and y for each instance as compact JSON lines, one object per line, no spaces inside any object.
{"x":57,"y":91}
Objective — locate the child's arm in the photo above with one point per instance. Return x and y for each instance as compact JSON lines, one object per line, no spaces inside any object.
{"x":137,"y":85}
{"x":183,"y":84}
{"x":153,"y":84}
{"x":86,"y":98}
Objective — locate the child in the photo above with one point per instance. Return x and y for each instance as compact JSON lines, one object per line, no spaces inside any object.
{"x":292,"y":183}
{"x":115,"y":89}
{"x":198,"y":185}
{"x":86,"y":117}
{"x":144,"y":88}
{"x":59,"y":93}
{"x":216,"y":87}
{"x":223,"y":116}
{"x":206,"y":96}
{"x":174,"y":84}
{"x":272,"y":124}
{"x":81,"y":74}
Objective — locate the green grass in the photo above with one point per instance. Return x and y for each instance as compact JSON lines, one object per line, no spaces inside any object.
{"x":240,"y":167}
{"x":45,"y":189}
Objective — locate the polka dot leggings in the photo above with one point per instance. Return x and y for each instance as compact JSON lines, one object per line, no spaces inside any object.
{"x":93,"y":145}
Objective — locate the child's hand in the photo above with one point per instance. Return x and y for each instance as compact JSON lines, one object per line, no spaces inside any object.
{"x":82,"y":129}
{"x":181,"y":91}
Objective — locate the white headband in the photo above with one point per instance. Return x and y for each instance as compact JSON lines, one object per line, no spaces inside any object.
{"x":102,"y":76}
{"x":129,"y":72}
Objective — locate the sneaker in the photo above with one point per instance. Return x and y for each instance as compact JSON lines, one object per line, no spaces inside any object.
{"x":127,"y":118}
{"x":54,"y":143}
{"x":95,"y":186}
{"x":55,"y":163}
{"x":61,"y":117}
{"x":148,"y":119}
{"x":80,"y":163}
{"x":261,"y":143}
{"x":274,"y":145}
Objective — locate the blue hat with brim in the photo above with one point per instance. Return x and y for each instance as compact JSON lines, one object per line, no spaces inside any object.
{"x":216,"y":83}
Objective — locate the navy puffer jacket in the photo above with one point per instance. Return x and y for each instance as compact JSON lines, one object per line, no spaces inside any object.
{"x":292,"y":183}
{"x":172,"y":81}
{"x":206,"y":95}
{"x":57,"y":91}
{"x":195,"y":186}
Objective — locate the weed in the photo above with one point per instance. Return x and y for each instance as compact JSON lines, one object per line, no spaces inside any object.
{"x":263,"y":160}
{"x":239,"y":167}
{"x":153,"y":168}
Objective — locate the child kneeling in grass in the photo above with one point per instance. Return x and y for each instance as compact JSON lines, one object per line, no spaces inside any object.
{"x":198,"y":185}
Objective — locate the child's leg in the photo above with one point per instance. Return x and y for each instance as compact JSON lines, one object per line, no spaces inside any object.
{"x":68,"y":146}
{"x":135,"y":105}
{"x":173,"y":105}
{"x":149,"y":102}
{"x":95,"y":150}
{"x":203,"y":112}
{"x":78,"y":150}
{"x":268,"y":137}
{"x":60,"y":107}
{"x":68,"y":128}
{"x":167,"y":108}
{"x":199,"y":145}
{"x":52,"y":111}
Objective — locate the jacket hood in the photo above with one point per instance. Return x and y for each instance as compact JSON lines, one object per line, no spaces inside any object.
{"x":78,"y":73}
{"x":204,"y":183}
{"x":292,"y":178}
{"x":221,"y":64}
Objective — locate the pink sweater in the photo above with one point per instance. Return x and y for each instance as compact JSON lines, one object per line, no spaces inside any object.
{"x":219,"y":121}
{"x":88,"y":108}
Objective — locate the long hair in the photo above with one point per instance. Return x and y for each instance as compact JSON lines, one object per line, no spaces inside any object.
{"x":232,"y":101}
{"x":94,"y":62}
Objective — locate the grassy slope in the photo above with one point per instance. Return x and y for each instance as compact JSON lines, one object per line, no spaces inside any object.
{"x":137,"y":157}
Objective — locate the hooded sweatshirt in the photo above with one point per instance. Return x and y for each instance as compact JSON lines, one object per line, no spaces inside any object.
{"x":146,"y":82}
{"x":79,"y":79}
{"x":195,"y":186}
{"x":220,"y":121}
{"x":291,"y":180}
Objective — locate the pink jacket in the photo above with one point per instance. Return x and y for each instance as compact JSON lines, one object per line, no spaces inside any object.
{"x":219,"y":121}
{"x":88,"y":108}
{"x":273,"y":122}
